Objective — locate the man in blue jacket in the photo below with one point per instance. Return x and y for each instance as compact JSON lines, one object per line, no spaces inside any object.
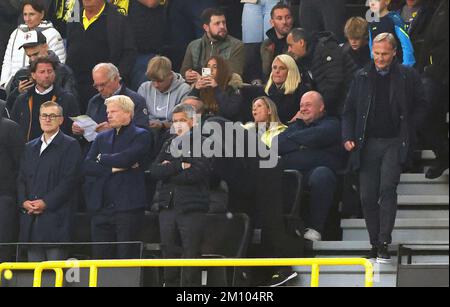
{"x":48,"y":173}
{"x":385,"y":108}
{"x":115,"y":186}
{"x":312,"y":145}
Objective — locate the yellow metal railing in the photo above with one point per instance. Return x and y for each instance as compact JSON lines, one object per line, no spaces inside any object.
{"x":94,"y":265}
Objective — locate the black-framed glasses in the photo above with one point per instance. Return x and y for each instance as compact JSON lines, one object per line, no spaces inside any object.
{"x":52,"y":117}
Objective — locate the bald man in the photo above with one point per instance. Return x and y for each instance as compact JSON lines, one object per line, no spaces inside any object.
{"x":312,"y":145}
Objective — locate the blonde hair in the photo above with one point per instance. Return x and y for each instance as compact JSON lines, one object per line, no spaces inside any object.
{"x":274,"y":118}
{"x":159,"y":68}
{"x":124,"y":102}
{"x":356,"y":28}
{"x":293,"y":78}
{"x":386,"y":37}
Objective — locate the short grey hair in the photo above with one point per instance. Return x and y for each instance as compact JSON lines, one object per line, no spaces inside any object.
{"x":388,"y":37}
{"x":186,"y":109}
{"x":111,"y":69}
{"x":50,"y":104}
{"x":124,"y":102}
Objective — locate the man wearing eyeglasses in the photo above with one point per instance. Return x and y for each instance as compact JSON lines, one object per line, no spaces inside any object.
{"x":108,"y":83}
{"x":49,"y":171}
{"x":27,"y":105}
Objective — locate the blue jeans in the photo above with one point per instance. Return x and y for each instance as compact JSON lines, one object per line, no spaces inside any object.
{"x":256,"y":21}
{"x":322,"y":184}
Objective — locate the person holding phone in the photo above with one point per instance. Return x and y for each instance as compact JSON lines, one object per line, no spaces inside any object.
{"x":35,"y":46}
{"x":219,"y":88}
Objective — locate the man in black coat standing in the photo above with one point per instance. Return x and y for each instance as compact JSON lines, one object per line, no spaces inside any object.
{"x":11,"y":148}
{"x":49,"y":173}
{"x":183,"y":196}
{"x":385,"y":107}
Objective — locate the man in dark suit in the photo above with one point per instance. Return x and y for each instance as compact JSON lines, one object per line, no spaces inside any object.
{"x":48,"y":174}
{"x":115,"y":186}
{"x":11,"y":148}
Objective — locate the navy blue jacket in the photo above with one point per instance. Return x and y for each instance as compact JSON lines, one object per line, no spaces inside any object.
{"x":127,"y":189}
{"x":306,"y":147}
{"x":52,"y":177}
{"x":97,"y":110}
{"x":408,"y":105}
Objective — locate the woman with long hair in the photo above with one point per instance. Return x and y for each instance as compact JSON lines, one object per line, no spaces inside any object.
{"x":219,"y":88}
{"x":266,"y":120}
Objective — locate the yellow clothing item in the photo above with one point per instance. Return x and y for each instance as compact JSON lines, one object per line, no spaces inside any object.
{"x":122,"y":6}
{"x":87,"y":22}
{"x":269,"y":134}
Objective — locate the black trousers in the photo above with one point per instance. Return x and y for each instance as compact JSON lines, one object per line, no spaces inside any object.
{"x":8,"y":226}
{"x":181,"y":237}
{"x":109,"y":226}
{"x":434,"y":134}
{"x":323,"y":15}
{"x":379,"y":177}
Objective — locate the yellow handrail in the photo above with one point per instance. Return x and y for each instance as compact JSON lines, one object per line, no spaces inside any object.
{"x":94,"y":265}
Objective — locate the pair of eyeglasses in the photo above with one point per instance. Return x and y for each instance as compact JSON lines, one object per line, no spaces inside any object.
{"x":101,"y":85}
{"x":52,"y":117}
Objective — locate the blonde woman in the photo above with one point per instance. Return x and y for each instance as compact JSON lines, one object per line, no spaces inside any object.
{"x":285,"y":87}
{"x":265,"y":111}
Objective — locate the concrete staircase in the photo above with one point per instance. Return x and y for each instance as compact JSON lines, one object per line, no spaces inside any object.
{"x":422,"y":218}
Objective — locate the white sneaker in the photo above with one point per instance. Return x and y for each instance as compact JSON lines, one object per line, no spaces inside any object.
{"x":312,"y":235}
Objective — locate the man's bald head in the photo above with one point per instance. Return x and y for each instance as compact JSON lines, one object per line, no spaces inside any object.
{"x":312,"y":107}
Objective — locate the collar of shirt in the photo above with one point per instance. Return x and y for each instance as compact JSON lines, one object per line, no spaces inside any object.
{"x":46,"y":144}
{"x":87,"y":22}
{"x":383,"y":72}
{"x":44,"y":92}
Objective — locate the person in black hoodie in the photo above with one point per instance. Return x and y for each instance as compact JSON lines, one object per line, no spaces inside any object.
{"x":11,"y":148}
{"x":182,"y":196}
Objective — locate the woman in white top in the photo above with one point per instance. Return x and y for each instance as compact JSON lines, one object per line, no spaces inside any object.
{"x":33,"y":14}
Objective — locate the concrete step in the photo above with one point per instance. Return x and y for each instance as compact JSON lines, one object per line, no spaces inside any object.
{"x":351,"y":276}
{"x":405,"y":230}
{"x":423,"y":206}
{"x":420,"y":178}
{"x":433,"y":252}
{"x":417,"y":184}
